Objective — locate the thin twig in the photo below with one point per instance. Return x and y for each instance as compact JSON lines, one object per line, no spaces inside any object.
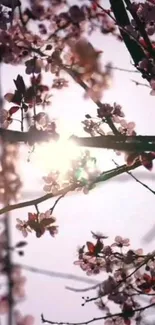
{"x":125,"y":70}
{"x":95,"y":319}
{"x":137,"y":83}
{"x":22,"y":119}
{"x":56,"y":202}
{"x":136,"y":179}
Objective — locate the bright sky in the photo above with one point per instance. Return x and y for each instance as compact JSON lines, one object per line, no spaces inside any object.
{"x":117,"y":207}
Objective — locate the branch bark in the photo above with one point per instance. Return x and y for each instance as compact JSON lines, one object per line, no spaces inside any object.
{"x":115,"y":142}
{"x":118,"y":142}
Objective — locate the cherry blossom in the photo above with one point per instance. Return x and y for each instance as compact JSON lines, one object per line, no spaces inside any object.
{"x":23,"y":227}
{"x":120,"y":242}
{"x":23,"y":320}
{"x":4,"y":305}
{"x":127,"y":128}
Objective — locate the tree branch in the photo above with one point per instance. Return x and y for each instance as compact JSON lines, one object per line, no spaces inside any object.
{"x":103,"y":177}
{"x":115,"y":142}
{"x":95,"y":319}
{"x":39,"y":200}
{"x":32,"y":136}
{"x":55,"y":274}
{"x":122,"y":20}
{"x":118,"y":142}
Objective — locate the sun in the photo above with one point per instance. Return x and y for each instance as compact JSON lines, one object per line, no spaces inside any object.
{"x":55,"y":155}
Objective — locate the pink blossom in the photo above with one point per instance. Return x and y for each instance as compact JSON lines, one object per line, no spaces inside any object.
{"x":4,"y":306}
{"x":152,"y":84}
{"x":23,"y":320}
{"x":60,"y":83}
{"x":23,"y":227}
{"x":45,"y":215}
{"x":127,"y":128}
{"x":18,"y":282}
{"x":4,"y":118}
{"x":120,"y":242}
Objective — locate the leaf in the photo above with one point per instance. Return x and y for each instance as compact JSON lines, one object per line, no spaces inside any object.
{"x":20,"y":85}
{"x":33,"y":224}
{"x":152,"y":92}
{"x":46,"y":222}
{"x":21,"y":244}
{"x":17,"y":97}
{"x":131,"y":158}
{"x":98,"y":247}
{"x":90,"y":247}
{"x":39,"y":232}
{"x":13,"y":109}
{"x":146,"y":161}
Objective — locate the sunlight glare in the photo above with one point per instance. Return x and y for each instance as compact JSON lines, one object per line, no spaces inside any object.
{"x":55,"y":155}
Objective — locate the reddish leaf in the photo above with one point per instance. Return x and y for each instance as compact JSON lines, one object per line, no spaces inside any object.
{"x":131,"y":158}
{"x":21,"y":244}
{"x":46,"y":222}
{"x":43,"y":88}
{"x":17,"y":97}
{"x":32,"y":216}
{"x":20,"y":85}
{"x":146,"y":277}
{"x":146,"y":161}
{"x":98,"y":246}
{"x":90,"y":246}
{"x":13,"y":109}
{"x":40,"y":232}
{"x":33,"y":224}
{"x":127,"y":321}
{"x":94,"y":6}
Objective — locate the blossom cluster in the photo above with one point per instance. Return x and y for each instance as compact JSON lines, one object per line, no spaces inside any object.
{"x":130,"y":274}
{"x":39,"y":223}
{"x":82,"y":173}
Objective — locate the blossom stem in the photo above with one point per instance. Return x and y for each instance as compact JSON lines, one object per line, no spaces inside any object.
{"x":36,"y":206}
